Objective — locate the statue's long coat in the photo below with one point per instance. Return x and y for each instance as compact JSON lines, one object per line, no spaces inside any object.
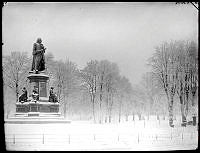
{"x":38,"y":57}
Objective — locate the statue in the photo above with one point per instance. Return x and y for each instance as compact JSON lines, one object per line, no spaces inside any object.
{"x":35,"y":95}
{"x":52,"y":96}
{"x":23,"y":97}
{"x":38,"y":63}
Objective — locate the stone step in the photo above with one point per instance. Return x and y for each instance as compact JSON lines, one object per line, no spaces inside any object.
{"x":36,"y":121}
{"x":36,"y":114}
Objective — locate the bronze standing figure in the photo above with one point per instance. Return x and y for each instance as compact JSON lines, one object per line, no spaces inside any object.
{"x":38,"y":63}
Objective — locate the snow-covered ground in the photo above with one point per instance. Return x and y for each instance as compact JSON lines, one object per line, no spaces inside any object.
{"x":83,"y":135}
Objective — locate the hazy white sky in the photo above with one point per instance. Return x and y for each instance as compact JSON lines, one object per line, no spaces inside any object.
{"x":125,"y":33}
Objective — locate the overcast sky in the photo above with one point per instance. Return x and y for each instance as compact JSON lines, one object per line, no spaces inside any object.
{"x":124,"y":33}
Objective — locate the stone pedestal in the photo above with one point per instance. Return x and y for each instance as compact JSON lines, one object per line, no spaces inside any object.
{"x":33,"y":107}
{"x":43,"y":107}
{"x":40,"y":81}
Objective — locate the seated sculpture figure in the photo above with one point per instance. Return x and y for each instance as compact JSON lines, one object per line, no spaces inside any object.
{"x":23,"y":97}
{"x":35,"y":95}
{"x":52,"y":96}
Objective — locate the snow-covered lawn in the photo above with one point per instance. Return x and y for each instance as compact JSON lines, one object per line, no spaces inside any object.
{"x":83,"y":135}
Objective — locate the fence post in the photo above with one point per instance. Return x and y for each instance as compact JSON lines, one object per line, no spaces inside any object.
{"x":14,"y":139}
{"x":69,"y":138}
{"x":118,"y":137}
{"x":182,"y":136}
{"x":43,"y":138}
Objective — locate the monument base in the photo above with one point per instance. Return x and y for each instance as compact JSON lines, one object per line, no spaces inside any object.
{"x":38,"y":112}
{"x":42,"y":107}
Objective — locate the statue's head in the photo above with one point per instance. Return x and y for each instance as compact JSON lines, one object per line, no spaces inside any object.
{"x":39,"y":40}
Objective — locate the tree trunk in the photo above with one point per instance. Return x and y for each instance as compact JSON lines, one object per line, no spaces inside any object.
{"x":92,"y":99}
{"x":158,"y":117}
{"x":119,"y":117}
{"x":105,"y":119}
{"x":65,"y":105}
{"x":133,"y":116}
{"x":17,"y":91}
{"x":100,"y":110}
{"x":163,"y":117}
{"x":110,"y":107}
{"x":184,"y":121}
{"x":140,"y":116}
{"x":100,"y":100}
{"x":110,"y":118}
{"x":182,"y":111}
{"x":170,"y":109}
{"x":194,"y":113}
{"x":100,"y":114}
{"x":120,"y":105}
{"x":107,"y":110}
{"x":186,"y":103}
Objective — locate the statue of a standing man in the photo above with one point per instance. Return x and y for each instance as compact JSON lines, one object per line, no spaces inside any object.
{"x":38,"y":63}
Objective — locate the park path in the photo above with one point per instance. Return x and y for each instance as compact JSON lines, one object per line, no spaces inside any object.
{"x":86,"y":136}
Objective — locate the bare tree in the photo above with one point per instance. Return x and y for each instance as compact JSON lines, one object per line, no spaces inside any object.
{"x":111,"y":88}
{"x":151,"y":92}
{"x":65,"y":80}
{"x":123,"y":90}
{"x":193,"y":73}
{"x":187,"y":76}
{"x":89,"y":77}
{"x":15,"y":70}
{"x":102,"y":72}
{"x":139,"y":100}
{"x":164,"y":67}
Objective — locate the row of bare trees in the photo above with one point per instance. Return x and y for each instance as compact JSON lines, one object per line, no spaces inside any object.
{"x":99,"y":85}
{"x":105,"y":87}
{"x":175,"y":69}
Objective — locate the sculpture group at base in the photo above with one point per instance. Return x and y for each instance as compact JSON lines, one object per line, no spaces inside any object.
{"x":35,"y":95}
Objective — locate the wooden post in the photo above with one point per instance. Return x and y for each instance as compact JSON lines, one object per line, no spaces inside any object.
{"x":182,"y":136}
{"x":69,"y":138}
{"x":14,"y":139}
{"x":171,"y":135}
{"x":43,"y":138}
{"x":118,"y":137}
